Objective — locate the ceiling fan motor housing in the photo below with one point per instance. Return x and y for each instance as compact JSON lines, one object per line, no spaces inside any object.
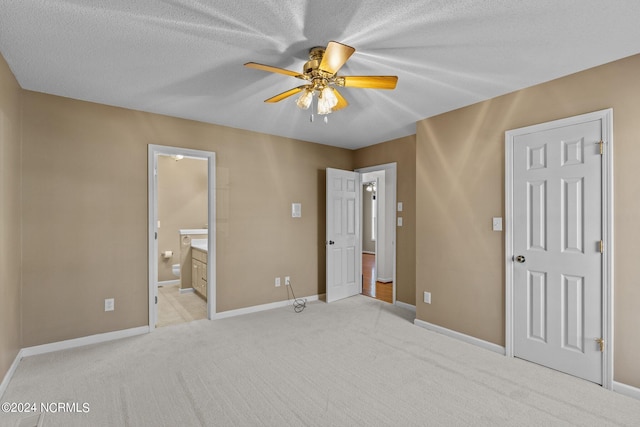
{"x":311,"y":67}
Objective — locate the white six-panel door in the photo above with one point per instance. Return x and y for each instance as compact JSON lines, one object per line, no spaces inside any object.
{"x":344,"y":255}
{"x":557,"y":229}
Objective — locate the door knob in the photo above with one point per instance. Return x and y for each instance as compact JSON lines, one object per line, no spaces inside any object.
{"x":520,"y":259}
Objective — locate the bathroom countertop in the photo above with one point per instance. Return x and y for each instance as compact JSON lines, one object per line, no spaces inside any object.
{"x":201,"y":244}
{"x":194,"y":231}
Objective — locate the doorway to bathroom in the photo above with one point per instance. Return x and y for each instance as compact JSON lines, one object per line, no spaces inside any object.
{"x":181,"y":235}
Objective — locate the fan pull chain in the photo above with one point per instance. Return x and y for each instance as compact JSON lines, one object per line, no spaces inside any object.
{"x":325,"y":119}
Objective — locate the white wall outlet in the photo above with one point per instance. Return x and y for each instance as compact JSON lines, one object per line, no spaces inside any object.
{"x":497,"y":224}
{"x":399,"y":206}
{"x":399,"y":221}
{"x":277,"y":282}
{"x":427,"y":297}
{"x":109,"y":304}
{"x":287,"y":281}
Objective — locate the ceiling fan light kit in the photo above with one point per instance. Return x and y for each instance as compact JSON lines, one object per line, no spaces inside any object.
{"x":305,"y":100}
{"x":320,"y":73}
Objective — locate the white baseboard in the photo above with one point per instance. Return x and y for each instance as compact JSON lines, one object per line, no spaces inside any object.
{"x":384,"y":279}
{"x":9,"y":374}
{"x":186,"y":290}
{"x":168,"y":283}
{"x":405,"y":305}
{"x":627,"y":390}
{"x":262,"y":307}
{"x":368,"y":252}
{"x":460,"y":336}
{"x":67,"y":344}
{"x":82,"y":341}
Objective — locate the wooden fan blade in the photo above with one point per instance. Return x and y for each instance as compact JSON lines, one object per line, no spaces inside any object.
{"x":271,"y":69}
{"x":286,"y":94}
{"x":370,"y":82}
{"x":341,"y":101}
{"x":335,"y":56}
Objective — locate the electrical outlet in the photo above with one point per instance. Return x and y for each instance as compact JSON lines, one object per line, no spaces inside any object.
{"x":109,"y":304}
{"x":427,"y":297}
{"x":277,"y":282}
{"x":497,"y":224}
{"x":287,"y":281}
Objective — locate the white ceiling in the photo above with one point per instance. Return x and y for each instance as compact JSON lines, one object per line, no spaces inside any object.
{"x":185,"y":58}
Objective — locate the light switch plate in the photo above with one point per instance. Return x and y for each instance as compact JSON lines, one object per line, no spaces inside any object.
{"x":497,"y":224}
{"x":427,"y":297}
{"x":399,"y":221}
{"x":399,"y":206}
{"x":296,"y":210}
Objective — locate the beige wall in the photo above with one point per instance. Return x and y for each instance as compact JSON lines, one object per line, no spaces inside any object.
{"x":10,"y":244}
{"x":403,"y":152}
{"x":460,"y":186}
{"x":182,"y":203}
{"x":85,"y":214}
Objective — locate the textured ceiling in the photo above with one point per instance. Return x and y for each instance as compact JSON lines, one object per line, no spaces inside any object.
{"x":184,"y":58}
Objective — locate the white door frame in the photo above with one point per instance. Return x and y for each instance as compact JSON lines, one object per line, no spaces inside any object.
{"x":606,"y":116}
{"x":153,"y":152}
{"x":390,"y":197}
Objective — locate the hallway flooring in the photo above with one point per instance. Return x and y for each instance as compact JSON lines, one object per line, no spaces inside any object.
{"x":378,"y":290}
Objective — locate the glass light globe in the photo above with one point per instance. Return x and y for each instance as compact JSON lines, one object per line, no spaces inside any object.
{"x":304,"y":101}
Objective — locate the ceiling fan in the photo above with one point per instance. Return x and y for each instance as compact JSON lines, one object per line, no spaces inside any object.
{"x":320,"y":73}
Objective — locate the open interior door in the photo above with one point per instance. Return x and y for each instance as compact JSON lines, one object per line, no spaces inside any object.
{"x":344,"y":255}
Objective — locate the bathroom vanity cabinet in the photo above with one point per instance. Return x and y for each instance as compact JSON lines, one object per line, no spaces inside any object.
{"x":199,"y":272}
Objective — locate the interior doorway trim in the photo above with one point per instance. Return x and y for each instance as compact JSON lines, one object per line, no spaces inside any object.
{"x":153,"y":152}
{"x":606,"y":117}
{"x":391,"y":168}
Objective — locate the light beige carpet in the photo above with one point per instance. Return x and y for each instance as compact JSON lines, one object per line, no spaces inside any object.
{"x":355,"y":362}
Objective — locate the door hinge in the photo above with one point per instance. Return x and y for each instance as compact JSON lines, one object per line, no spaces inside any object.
{"x":601,"y":144}
{"x":156,"y":235}
{"x":156,"y":299}
{"x":601,"y":342}
{"x":601,"y":244}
